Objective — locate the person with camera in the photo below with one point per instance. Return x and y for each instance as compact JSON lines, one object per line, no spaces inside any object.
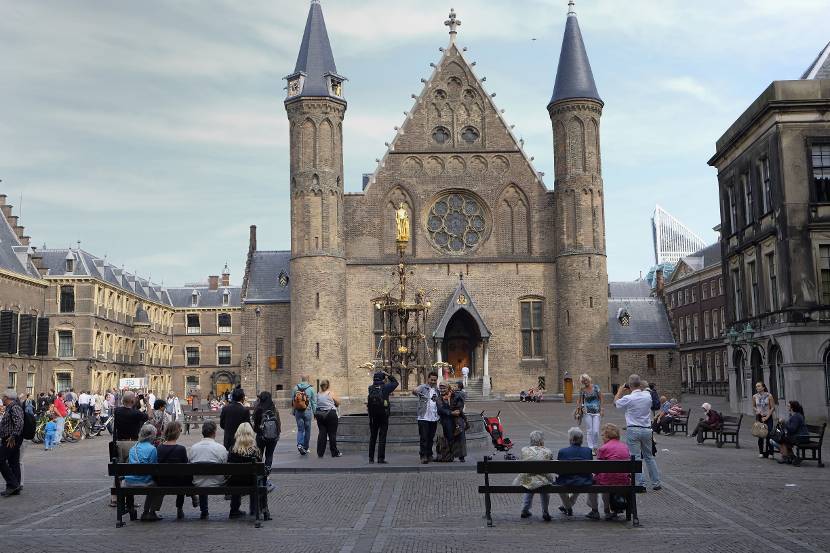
{"x":427,"y":395}
{"x":377,"y":404}
{"x":636,"y":402}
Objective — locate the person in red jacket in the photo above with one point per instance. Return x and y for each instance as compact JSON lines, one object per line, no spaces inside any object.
{"x":61,"y":410}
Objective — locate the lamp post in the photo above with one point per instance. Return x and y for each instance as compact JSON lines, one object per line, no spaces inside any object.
{"x":257,"y":312}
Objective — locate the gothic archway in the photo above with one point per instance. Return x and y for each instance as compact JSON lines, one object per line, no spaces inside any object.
{"x":461,"y":339}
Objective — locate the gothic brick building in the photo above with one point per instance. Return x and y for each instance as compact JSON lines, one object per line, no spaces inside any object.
{"x":533,"y":261}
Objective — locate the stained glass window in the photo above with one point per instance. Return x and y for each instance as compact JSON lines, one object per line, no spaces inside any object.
{"x":456,"y":223}
{"x":441,"y":135}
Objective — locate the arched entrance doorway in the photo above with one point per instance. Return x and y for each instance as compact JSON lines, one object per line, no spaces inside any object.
{"x":461,"y":339}
{"x":738,"y":363}
{"x":756,"y":363}
{"x":223,"y":381}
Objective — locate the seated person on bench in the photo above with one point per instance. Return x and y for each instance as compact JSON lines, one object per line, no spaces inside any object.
{"x":536,"y":451}
{"x":574,"y":452}
{"x":612,"y":449}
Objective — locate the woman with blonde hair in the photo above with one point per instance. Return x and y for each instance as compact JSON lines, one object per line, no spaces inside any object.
{"x":244,"y":451}
{"x":589,"y":405}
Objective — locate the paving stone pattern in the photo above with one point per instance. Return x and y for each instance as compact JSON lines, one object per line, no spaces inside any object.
{"x":713,"y":500}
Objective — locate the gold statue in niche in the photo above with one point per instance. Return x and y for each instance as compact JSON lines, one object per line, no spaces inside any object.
{"x":402,"y":223}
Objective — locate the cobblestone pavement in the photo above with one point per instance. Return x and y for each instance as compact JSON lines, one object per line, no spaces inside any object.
{"x":712,"y":500}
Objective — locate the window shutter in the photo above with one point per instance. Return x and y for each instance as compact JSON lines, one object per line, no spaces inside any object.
{"x":5,"y":330}
{"x":27,"y":335}
{"x":43,"y":336}
{"x":13,"y":334}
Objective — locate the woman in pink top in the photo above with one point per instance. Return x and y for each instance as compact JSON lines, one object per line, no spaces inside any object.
{"x":612,"y":449}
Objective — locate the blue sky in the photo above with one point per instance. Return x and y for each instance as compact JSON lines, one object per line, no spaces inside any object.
{"x":154,"y":132}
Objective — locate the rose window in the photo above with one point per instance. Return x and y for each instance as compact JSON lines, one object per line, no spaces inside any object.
{"x":456,"y":223}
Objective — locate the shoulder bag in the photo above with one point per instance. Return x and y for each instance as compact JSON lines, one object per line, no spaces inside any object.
{"x":759,"y":429}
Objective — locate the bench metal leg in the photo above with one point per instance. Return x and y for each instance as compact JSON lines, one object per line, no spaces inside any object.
{"x":120,"y":509}
{"x":636,"y":521}
{"x":487,"y":508}
{"x":257,"y":498}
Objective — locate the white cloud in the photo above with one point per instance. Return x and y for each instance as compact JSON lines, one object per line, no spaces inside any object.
{"x":692,"y":87}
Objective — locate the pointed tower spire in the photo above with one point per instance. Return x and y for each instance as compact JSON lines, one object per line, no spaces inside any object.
{"x":574,"y":78}
{"x":315,"y":74}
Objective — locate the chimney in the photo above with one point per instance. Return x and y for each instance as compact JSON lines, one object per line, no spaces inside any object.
{"x":659,"y":283}
{"x":12,"y":219}
{"x":18,"y":230}
{"x":6,"y":209}
{"x":3,"y":199}
{"x":213,"y":282}
{"x":252,"y":239}
{"x":25,"y":239}
{"x":226,"y":276}
{"x":37,"y":261}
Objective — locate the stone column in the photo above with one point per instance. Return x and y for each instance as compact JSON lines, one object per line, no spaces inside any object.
{"x":438,"y":359}
{"x":485,"y":383}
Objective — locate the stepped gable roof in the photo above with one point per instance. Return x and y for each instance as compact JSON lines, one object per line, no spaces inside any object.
{"x":182,"y":297}
{"x":268,"y":269}
{"x":648,"y":322}
{"x":461,"y":300}
{"x":315,"y":59}
{"x":574,"y":78}
{"x":820,"y":68}
{"x":14,"y":256}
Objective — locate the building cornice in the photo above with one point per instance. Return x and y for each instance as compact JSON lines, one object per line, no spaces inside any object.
{"x":24,"y":278}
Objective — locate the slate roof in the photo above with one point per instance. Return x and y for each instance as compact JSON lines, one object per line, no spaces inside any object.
{"x":702,"y":259}
{"x":574,"y":78}
{"x":315,"y":59}
{"x":13,"y":255}
{"x":634,"y":289}
{"x":454,"y":306}
{"x":648,"y":327}
{"x":182,"y":297}
{"x":820,"y":68}
{"x":264,"y":277}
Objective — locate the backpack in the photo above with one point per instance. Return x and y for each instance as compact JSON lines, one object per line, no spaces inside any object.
{"x":269,"y":428}
{"x":655,"y":400}
{"x":300,"y":401}
{"x":29,"y":424}
{"x":375,"y":401}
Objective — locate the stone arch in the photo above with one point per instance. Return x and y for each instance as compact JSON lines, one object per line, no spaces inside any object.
{"x":513,"y":225}
{"x":326,"y":144}
{"x":411,"y":167}
{"x":454,"y":85}
{"x":576,"y":146}
{"x":434,"y":166}
{"x":436,"y":111}
{"x":308,"y":134}
{"x":560,"y":149}
{"x":456,"y":166}
{"x":477,"y":165}
{"x":500,"y":165}
{"x":393,"y":199}
{"x":594,"y":142}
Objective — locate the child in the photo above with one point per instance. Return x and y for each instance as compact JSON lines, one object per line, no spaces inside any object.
{"x":50,"y":439}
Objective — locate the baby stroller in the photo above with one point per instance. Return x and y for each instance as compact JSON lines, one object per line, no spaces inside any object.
{"x":496,"y":430}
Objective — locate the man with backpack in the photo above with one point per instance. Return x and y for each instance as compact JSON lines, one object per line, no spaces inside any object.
{"x":377,"y":403}
{"x":303,"y":405}
{"x":11,"y":438}
{"x":267,"y":426}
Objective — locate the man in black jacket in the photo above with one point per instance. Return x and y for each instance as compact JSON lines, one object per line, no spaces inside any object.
{"x":232,"y":415}
{"x":383,"y":384}
{"x":11,"y":437}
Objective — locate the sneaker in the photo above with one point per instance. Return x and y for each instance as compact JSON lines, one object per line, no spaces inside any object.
{"x":657,"y":488}
{"x":300,"y":449}
{"x":338,"y":454}
{"x":593,"y":515}
{"x":761,"y":455}
{"x":525,"y":514}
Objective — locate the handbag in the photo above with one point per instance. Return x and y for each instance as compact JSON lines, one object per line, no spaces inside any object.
{"x":579,"y":412}
{"x":759,"y":429}
{"x":778,"y":433}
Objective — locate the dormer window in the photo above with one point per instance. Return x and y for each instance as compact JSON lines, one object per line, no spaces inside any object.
{"x":283,"y":279}
{"x":226,"y":297}
{"x":70,"y":264}
{"x":623,"y":317}
{"x":194,"y":299}
{"x":295,"y":85}
{"x":336,"y":87}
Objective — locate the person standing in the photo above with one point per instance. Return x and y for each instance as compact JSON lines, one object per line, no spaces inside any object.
{"x":61,"y":410}
{"x":590,"y":401}
{"x":377,"y":405}
{"x":427,"y":395}
{"x":636,"y":402}
{"x":326,"y":417}
{"x":267,"y":427}
{"x":233,"y":415}
{"x":465,"y":373}
{"x":303,"y":405}
{"x":764,"y":405}
{"x":50,"y":434}
{"x":11,"y":438}
{"x":127,"y":423}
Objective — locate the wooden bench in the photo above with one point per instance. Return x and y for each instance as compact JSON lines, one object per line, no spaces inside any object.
{"x":813,"y":445}
{"x":198,"y":420}
{"x":488,"y":467}
{"x":255,"y":472}
{"x":727,"y":433}
{"x":680,"y":423}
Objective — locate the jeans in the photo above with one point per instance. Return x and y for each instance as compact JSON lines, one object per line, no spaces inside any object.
{"x":303,"y":427}
{"x":50,"y":440}
{"x":527,"y":501}
{"x":764,"y":446}
{"x":378,"y":425}
{"x":639,"y":444}
{"x":592,"y":422}
{"x":61,"y":422}
{"x":267,"y":447}
{"x":426,"y":432}
{"x":327,"y":431}
{"x":10,"y":463}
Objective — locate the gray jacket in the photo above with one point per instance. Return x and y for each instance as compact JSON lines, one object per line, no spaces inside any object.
{"x":424,"y":394}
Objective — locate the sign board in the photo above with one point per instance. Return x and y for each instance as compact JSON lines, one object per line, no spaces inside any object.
{"x":132,"y":383}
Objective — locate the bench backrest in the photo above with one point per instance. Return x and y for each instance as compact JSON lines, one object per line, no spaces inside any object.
{"x":186,"y":469}
{"x":730,"y":420}
{"x":558,"y":467}
{"x":816,"y":430}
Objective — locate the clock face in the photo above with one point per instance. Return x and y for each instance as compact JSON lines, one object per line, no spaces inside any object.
{"x":294,"y":87}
